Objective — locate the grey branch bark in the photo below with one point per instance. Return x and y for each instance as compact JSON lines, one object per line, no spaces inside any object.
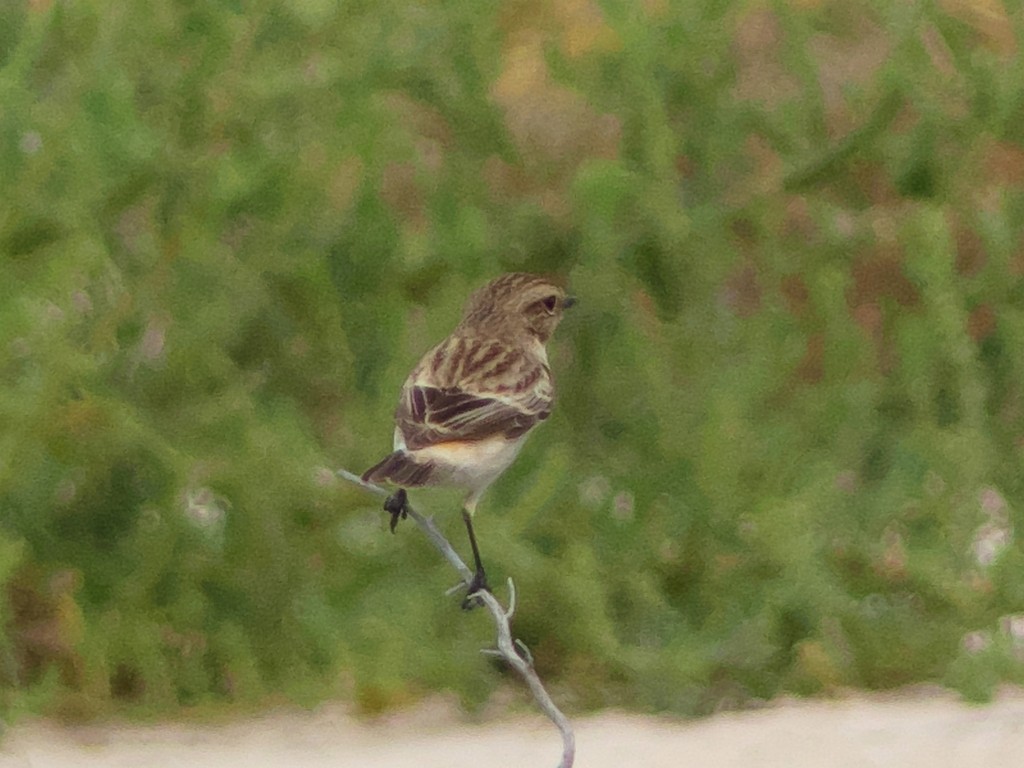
{"x":511,"y":650}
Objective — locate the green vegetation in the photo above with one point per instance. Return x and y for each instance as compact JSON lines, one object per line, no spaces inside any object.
{"x":787,"y":453}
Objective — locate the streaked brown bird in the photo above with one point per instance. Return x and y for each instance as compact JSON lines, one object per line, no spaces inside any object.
{"x":469,"y":404}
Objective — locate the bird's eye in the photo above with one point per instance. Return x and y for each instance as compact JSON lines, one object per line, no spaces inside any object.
{"x":549,"y":303}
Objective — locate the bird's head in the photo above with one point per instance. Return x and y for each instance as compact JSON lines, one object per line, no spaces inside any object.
{"x":518,"y":303}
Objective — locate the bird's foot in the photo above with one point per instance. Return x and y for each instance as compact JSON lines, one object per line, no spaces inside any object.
{"x":397,"y":505}
{"x":477,"y":585}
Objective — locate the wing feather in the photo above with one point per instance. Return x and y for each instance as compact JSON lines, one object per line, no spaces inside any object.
{"x":473,"y":389}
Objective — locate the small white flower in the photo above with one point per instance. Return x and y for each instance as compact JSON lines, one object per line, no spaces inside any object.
{"x":1012,"y":626}
{"x":975,"y":642}
{"x":204,"y":509}
{"x":622,"y":506}
{"x":52,"y":314}
{"x":154,"y":337}
{"x":81,"y":302}
{"x":989,"y":542}
{"x":992,"y":501}
{"x":324,"y":477}
{"x":31,"y":142}
{"x":846,"y":481}
{"x":668,"y":552}
{"x":594,"y":490}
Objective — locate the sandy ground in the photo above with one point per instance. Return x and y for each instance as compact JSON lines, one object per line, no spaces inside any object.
{"x":912,"y":729}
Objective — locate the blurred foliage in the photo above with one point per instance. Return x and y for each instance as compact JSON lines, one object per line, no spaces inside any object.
{"x":787,"y":453}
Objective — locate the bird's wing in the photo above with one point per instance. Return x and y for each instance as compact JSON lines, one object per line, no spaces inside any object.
{"x":469,"y":389}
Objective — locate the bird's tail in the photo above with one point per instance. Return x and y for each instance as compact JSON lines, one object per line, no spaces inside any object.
{"x":401,"y":469}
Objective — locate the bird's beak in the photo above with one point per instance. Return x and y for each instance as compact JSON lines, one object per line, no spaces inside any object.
{"x":568,"y":301}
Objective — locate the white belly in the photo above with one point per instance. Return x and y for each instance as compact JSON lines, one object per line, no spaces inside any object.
{"x":472,"y":465}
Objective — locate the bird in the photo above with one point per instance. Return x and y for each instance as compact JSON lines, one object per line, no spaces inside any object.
{"x":468,"y":406}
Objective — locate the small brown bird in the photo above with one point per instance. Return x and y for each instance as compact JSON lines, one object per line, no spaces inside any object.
{"x":467,"y":407}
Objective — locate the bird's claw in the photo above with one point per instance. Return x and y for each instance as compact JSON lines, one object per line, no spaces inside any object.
{"x":397,"y":505}
{"x":477,"y":585}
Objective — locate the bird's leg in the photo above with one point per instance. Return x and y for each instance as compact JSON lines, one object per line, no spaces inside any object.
{"x":397,"y":505}
{"x":479,"y":582}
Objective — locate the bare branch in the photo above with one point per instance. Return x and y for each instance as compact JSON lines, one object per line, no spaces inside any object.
{"x":508,"y":647}
{"x":427,"y":525}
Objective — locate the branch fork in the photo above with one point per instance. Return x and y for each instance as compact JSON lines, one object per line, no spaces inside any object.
{"x":513,"y":651}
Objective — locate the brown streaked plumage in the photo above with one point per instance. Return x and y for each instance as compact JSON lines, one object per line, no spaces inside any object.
{"x":467,"y":407}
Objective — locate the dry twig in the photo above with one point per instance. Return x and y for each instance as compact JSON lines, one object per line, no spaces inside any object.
{"x":512,"y":651}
